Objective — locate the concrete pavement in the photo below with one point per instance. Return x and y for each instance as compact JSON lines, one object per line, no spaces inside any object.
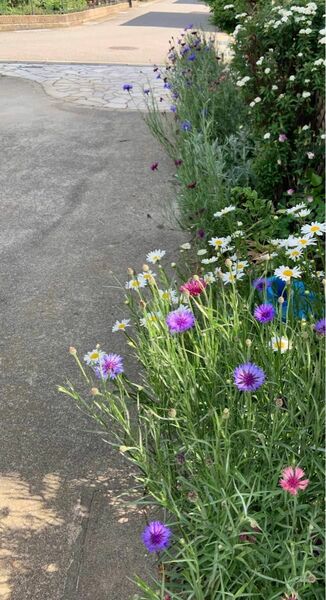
{"x":138,"y":36}
{"x":78,"y":200}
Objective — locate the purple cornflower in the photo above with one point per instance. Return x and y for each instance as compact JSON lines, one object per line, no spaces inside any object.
{"x":189,"y":27}
{"x":146,"y":91}
{"x":201,"y":234}
{"x":186,"y":126}
{"x":156,"y":536}
{"x":320,"y":327}
{"x":264,"y":313}
{"x":110,"y":365}
{"x":167,"y":85}
{"x":178,"y":162}
{"x":173,"y":108}
{"x":192,"y":57}
{"x":261,"y":284}
{"x":154,"y":166}
{"x":180,"y":320}
{"x":127,"y":87}
{"x":282,"y":137}
{"x":248,"y":377}
{"x":175,"y":95}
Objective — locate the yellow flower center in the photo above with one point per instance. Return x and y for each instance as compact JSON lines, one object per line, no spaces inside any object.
{"x":232,"y":277}
{"x":303,"y":242}
{"x":135,"y":283}
{"x":315,"y":228}
{"x":166,"y":296}
{"x":94,"y":356}
{"x":287,"y":272}
{"x":218,"y":243}
{"x":121,"y":326}
{"x":295,"y":253}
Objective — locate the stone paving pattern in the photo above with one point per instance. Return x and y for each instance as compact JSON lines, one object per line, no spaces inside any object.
{"x":94,"y":86}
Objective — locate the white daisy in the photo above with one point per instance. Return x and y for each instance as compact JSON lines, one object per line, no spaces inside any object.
{"x":169,"y":295}
{"x":239,"y":265}
{"x":287,"y":273}
{"x":232,"y":276}
{"x":295,"y":253}
{"x":314,"y":228}
{"x":147,"y":276}
{"x":208,"y":261}
{"x":151,"y":317}
{"x":280,"y":344}
{"x":224,"y":211}
{"x":155,"y":256}
{"x":306,"y":94}
{"x":93,"y":357}
{"x":267,"y":136}
{"x":121,"y":325}
{"x":305,"y":212}
{"x":135,"y":284}
{"x":305,"y":240}
{"x":209,"y":277}
{"x":293,"y":209}
{"x":220,"y":243}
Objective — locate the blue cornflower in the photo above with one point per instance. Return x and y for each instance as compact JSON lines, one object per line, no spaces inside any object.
{"x":173,"y":108}
{"x":156,"y":536}
{"x":186,"y":126}
{"x":127,"y":87}
{"x":192,"y":57}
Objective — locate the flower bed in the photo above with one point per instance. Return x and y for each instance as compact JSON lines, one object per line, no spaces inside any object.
{"x":227,"y":421}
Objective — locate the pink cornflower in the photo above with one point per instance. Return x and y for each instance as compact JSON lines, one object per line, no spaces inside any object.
{"x":290,"y":192}
{"x":193,"y":287}
{"x":282,"y":137}
{"x":292,"y":480}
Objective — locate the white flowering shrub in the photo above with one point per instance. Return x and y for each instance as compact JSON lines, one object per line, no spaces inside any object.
{"x":279,"y":69}
{"x":226,"y":14}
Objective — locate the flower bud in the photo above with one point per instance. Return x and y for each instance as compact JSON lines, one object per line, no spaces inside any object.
{"x":228,"y":263}
{"x":145,"y":267}
{"x":226,"y":413}
{"x":173,"y":265}
{"x":280,"y":300}
{"x":72,"y":350}
{"x":248,"y":343}
{"x":192,"y":496}
{"x":94,"y":391}
{"x":123,"y":449}
{"x":130,"y":271}
{"x":172,"y":413}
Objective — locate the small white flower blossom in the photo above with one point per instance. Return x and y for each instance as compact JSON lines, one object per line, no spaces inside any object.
{"x":220,"y":243}
{"x":201,"y":252}
{"x":228,"y":6}
{"x":209,"y":277}
{"x":286,"y":273}
{"x":121,"y":325}
{"x":322,"y":41}
{"x":149,"y":318}
{"x":169,"y":295}
{"x":243,"y":81}
{"x":310,"y":155}
{"x":267,"y":70}
{"x":294,"y":253}
{"x":306,"y":94}
{"x":305,"y":128}
{"x":93,"y":357}
{"x":274,"y":87}
{"x":292,"y":78}
{"x":305,"y":212}
{"x":224,"y":211}
{"x":232,"y":276}
{"x":293,"y":209}
{"x":135,"y":284}
{"x":267,"y":136}
{"x":238,"y":233}
{"x":314,"y":228}
{"x":305,"y":31}
{"x":208,"y":261}
{"x":185,"y":246}
{"x":259,"y":62}
{"x":147,"y":276}
{"x":155,"y":256}
{"x":280,"y":344}
{"x":319,"y":62}
{"x":304,"y":241}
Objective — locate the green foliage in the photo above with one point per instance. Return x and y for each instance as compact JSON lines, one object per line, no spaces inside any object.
{"x":210,"y":457}
{"x":279,"y":67}
{"x":225,"y":13}
{"x":27,"y":7}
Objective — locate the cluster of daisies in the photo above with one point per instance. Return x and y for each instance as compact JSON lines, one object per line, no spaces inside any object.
{"x":294,"y":245}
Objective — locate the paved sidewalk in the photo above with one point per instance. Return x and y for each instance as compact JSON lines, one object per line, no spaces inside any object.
{"x":78,"y":202}
{"x":138,"y":36}
{"x":98,"y":86}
